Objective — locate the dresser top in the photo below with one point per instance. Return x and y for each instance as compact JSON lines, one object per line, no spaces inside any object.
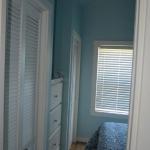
{"x":55,"y":81}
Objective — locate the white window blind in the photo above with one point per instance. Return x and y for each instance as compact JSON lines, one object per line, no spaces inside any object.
{"x":113,"y":84}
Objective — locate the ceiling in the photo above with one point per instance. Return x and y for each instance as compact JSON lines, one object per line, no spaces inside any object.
{"x":84,"y":1}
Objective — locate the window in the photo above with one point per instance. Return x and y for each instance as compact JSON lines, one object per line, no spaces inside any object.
{"x":113,"y":79}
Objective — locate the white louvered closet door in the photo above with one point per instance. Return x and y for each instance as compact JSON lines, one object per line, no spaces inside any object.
{"x":30,"y":79}
{"x":22,"y":69}
{"x":12,"y":75}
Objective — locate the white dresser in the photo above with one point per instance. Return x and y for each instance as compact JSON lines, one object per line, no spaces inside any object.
{"x":55,"y":114}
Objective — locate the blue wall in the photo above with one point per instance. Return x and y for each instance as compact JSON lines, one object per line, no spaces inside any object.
{"x":106,"y":20}
{"x":67,"y":19}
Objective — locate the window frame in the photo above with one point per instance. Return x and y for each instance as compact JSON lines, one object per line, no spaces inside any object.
{"x":109,"y":44}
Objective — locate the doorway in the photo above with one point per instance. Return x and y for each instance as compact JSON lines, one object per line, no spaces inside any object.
{"x":100,"y":24}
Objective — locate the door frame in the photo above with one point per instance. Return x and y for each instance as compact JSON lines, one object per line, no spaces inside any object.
{"x":78,"y":38}
{"x":2,"y":67}
{"x":75,"y":36}
{"x":43,"y":84}
{"x":45,"y":70}
{"x":139,"y":50}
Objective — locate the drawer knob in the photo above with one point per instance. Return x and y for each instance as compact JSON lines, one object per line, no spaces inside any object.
{"x":55,"y":96}
{"x":55,"y":120}
{"x":54,"y":144}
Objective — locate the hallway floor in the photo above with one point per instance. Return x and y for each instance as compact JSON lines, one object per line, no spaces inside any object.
{"x":78,"y":146}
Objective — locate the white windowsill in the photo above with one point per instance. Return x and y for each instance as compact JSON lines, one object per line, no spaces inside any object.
{"x":109,"y":115}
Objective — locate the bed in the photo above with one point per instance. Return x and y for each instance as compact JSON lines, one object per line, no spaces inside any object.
{"x":109,"y":136}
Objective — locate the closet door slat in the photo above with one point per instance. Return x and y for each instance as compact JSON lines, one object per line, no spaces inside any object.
{"x":12,"y":74}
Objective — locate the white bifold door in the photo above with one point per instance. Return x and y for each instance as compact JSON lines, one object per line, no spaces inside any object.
{"x":22,"y":73}
{"x":30,"y":75}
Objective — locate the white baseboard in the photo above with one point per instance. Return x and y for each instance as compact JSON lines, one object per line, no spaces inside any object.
{"x":84,"y":140}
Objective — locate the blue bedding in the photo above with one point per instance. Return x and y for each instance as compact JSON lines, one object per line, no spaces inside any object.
{"x":109,"y":136}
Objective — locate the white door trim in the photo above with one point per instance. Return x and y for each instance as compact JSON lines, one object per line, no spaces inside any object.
{"x":43,"y":84}
{"x":139,"y":46}
{"x":45,"y":72}
{"x":2,"y":67}
{"x":75,"y":36}
{"x":78,"y":38}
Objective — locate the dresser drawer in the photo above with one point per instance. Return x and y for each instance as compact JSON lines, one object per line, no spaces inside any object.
{"x":56,"y":95}
{"x":54,"y":119}
{"x":54,"y":140}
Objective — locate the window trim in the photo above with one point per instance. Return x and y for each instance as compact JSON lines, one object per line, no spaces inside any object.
{"x":124,"y":44}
